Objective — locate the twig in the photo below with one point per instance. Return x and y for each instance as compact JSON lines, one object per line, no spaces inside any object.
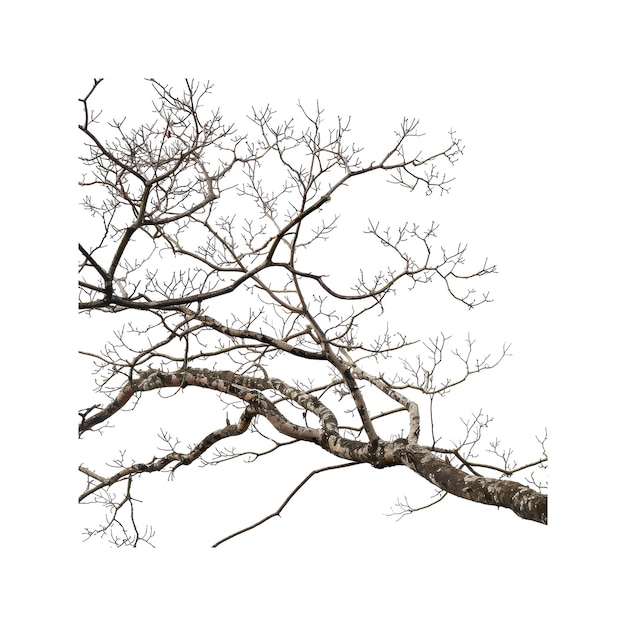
{"x":285,"y":502}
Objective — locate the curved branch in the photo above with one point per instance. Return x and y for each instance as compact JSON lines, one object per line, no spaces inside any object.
{"x":156,"y":465}
{"x":175,"y":243}
{"x":409,"y":405}
{"x":523,"y":501}
{"x":279,"y":510}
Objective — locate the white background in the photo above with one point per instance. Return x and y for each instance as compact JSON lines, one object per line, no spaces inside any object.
{"x":534,"y":90}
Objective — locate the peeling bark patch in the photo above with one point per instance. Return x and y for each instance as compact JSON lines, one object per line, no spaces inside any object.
{"x":522,"y":500}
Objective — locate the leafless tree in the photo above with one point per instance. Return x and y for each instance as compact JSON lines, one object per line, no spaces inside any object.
{"x":211,"y":246}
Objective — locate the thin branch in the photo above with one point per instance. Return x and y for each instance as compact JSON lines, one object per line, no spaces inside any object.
{"x":279,"y":510}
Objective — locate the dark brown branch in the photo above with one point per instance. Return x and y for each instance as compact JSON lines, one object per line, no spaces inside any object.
{"x":280,"y":509}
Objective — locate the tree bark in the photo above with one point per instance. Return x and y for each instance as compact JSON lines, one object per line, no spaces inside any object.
{"x":523,"y":501}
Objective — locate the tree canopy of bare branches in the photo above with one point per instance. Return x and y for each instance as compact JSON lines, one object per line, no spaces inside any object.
{"x":210,"y":248}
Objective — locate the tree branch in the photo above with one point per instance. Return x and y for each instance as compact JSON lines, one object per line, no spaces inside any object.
{"x":280,"y":509}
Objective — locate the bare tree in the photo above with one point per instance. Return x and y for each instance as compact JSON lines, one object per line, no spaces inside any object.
{"x":211,"y":246}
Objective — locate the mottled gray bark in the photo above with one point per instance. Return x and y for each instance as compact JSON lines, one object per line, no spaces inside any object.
{"x":208,"y":260}
{"x":523,"y":501}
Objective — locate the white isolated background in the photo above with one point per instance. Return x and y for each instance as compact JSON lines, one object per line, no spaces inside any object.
{"x":534,"y":92}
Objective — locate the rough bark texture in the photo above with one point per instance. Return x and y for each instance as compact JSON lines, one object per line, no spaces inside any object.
{"x":217,"y":251}
{"x":523,"y":501}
